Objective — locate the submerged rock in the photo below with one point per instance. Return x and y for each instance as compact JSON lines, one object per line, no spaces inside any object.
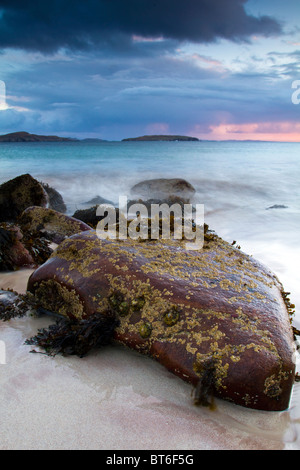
{"x":216,"y":317}
{"x":277,"y":206}
{"x":18,"y":194}
{"x":164,"y":189}
{"x":98,"y":200}
{"x":51,"y":224}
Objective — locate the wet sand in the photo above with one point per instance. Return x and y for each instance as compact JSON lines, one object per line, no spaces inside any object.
{"x":115,"y":399}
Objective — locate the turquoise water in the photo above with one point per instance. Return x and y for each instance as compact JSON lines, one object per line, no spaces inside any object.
{"x":249,"y":170}
{"x":236,"y":181}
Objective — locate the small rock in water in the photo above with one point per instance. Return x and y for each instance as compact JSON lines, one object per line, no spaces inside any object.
{"x":277,"y":206}
{"x":99,"y":200}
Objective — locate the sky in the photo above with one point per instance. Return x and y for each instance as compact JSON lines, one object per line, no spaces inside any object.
{"x":112,"y":69}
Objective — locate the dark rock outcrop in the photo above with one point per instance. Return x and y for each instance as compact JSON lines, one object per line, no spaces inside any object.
{"x":89,"y":216}
{"x":18,"y":194}
{"x":216,"y":317}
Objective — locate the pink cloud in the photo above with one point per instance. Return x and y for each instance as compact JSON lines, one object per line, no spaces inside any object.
{"x":273,"y":131}
{"x":204,"y":60}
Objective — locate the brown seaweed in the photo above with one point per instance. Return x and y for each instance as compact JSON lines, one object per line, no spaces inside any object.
{"x":71,"y":337}
{"x":14,"y":305}
{"x":204,"y":390}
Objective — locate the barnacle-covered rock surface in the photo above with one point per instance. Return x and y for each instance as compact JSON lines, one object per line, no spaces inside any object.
{"x":215,"y":317}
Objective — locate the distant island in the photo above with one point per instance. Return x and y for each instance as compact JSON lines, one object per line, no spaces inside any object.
{"x":26,"y":137}
{"x":92,"y":140}
{"x":23,"y":136}
{"x":159,"y":138}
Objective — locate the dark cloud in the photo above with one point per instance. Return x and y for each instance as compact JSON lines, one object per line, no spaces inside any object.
{"x":43,"y":26}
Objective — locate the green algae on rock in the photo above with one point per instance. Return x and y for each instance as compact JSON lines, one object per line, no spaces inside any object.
{"x":50,"y":223}
{"x":215,"y":317}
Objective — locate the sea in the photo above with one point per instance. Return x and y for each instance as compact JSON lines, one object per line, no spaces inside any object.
{"x":114,"y":398}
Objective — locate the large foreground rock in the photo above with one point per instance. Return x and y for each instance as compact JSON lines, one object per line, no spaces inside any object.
{"x":215,"y":317}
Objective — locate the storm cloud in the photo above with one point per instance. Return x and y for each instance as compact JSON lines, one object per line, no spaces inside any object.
{"x":42,"y":26}
{"x":115,"y":68}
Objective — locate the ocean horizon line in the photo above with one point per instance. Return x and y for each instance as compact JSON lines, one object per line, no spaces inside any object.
{"x":67,"y":139}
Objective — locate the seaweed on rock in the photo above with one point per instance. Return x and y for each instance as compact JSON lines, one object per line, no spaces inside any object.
{"x":14,"y":305}
{"x":73,"y":337}
{"x":66,"y":337}
{"x":203,"y":392}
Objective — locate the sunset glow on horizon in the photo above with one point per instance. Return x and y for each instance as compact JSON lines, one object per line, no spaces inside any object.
{"x":267,"y":131}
